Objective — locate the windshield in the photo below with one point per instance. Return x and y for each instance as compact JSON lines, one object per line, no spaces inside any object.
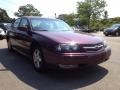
{"x":49,"y":25}
{"x":115,"y":26}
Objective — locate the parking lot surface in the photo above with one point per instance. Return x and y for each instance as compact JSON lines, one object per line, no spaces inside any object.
{"x":17,"y":73}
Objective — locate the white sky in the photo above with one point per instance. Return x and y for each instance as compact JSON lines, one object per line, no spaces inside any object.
{"x":49,"y":7}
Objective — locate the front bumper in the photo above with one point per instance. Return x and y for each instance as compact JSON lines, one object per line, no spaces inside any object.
{"x":2,"y":35}
{"x":77,"y":58}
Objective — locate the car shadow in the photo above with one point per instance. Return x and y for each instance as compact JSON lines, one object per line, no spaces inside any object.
{"x":55,"y":79}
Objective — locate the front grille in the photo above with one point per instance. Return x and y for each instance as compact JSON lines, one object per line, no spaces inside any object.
{"x":93,"y":48}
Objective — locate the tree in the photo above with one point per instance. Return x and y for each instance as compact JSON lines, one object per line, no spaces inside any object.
{"x":4,"y":16}
{"x":90,"y":10}
{"x":27,"y":10}
{"x":83,"y":11}
{"x":68,"y":18}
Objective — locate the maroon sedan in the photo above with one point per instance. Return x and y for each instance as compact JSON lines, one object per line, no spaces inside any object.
{"x":52,"y":41}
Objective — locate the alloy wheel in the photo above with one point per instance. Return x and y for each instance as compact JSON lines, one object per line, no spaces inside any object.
{"x":117,"y":33}
{"x":37,"y":59}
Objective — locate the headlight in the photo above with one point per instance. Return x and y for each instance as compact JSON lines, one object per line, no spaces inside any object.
{"x":105,"y":43}
{"x":67,"y":47}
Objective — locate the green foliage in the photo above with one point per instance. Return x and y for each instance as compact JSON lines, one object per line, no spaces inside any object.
{"x":27,"y":10}
{"x":83,"y":11}
{"x":4,"y":16}
{"x":89,"y":11}
{"x":68,"y":18}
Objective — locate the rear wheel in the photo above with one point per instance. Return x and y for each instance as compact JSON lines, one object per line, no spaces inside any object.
{"x":116,"y":33}
{"x":38,"y":60}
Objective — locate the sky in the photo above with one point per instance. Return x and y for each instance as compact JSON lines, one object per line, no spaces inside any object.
{"x":49,"y":7}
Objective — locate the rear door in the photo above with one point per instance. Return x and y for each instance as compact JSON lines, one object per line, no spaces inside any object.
{"x":12,"y":33}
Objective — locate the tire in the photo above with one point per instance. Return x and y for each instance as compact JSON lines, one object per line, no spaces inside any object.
{"x":106,"y":35}
{"x":38,"y":61}
{"x":117,"y":34}
{"x":9,"y":45}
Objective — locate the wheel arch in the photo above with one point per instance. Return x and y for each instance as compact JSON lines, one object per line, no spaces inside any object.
{"x":35,"y":44}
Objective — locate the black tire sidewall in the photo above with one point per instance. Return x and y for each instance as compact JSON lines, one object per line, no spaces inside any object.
{"x":106,"y":34}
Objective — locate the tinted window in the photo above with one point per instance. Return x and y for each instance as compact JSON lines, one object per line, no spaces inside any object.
{"x":3,"y":26}
{"x":23,"y":23}
{"x":115,"y":26}
{"x":16,"y":23}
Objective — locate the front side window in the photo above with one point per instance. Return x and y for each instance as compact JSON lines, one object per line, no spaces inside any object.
{"x":16,"y":23}
{"x":49,"y":25}
{"x":23,"y":23}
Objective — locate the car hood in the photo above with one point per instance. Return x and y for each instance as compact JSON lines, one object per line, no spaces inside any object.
{"x":68,"y":37}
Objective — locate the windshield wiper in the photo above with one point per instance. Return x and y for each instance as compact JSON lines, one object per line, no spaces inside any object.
{"x":41,"y":30}
{"x":44,"y":30}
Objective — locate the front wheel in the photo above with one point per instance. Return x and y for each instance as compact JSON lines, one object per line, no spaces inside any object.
{"x":106,"y":35}
{"x":116,"y":33}
{"x":38,"y":61}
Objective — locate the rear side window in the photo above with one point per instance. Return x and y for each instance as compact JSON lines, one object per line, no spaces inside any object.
{"x":16,"y":23}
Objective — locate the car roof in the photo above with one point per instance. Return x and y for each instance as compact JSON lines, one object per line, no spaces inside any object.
{"x":38,"y":17}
